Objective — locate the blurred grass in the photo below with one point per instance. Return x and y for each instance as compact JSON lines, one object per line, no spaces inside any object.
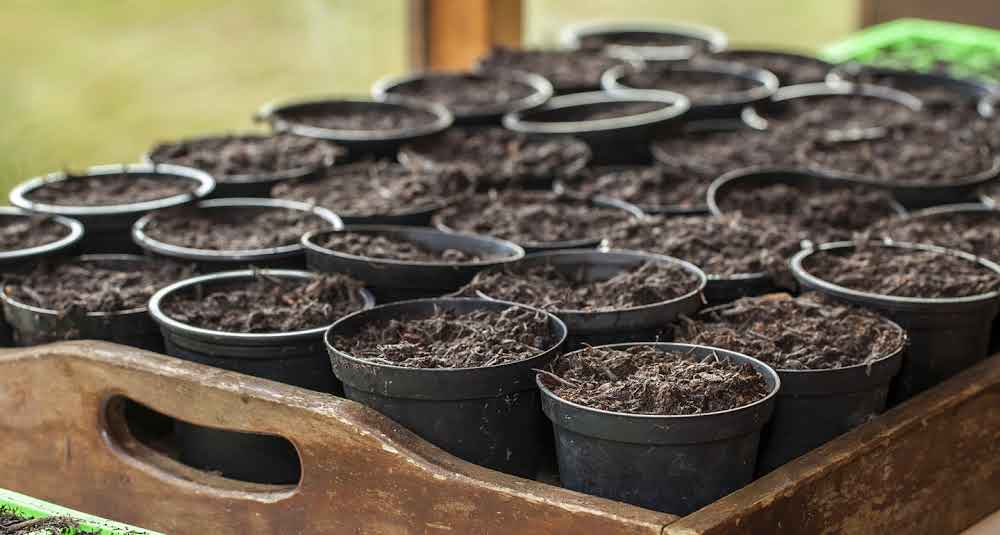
{"x":97,"y":81}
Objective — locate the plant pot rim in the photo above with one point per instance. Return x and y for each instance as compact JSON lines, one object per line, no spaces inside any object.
{"x":715,"y":39}
{"x":825,"y":89}
{"x":672,"y":348}
{"x":76,"y":232}
{"x":85,"y":258}
{"x":766,"y":83}
{"x":956,"y":208}
{"x":285,"y":174}
{"x":18,"y":195}
{"x":588,"y":256}
{"x":976,"y":89}
{"x":550,"y":318}
{"x":808,"y":279}
{"x":148,"y":243}
{"x":308,"y":242}
{"x":212,"y":335}
{"x":674,"y":105}
{"x":749,"y":173}
{"x":599,"y":201}
{"x":542,"y":89}
{"x":272,"y":112}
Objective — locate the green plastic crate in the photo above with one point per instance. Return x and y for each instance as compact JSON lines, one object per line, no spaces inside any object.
{"x":28,"y":508}
{"x":960,"y":50}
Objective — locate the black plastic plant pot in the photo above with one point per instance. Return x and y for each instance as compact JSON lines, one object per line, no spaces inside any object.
{"x":488,"y":416}
{"x":977,"y":93}
{"x":815,"y":406}
{"x":791,"y":68}
{"x":727,"y":288}
{"x":644,"y":323}
{"x":616,"y":139}
{"x":255,"y":185}
{"x":946,"y":335}
{"x":413,"y":85}
{"x":649,"y":41}
{"x":674,"y":464}
{"x":290,"y":256}
{"x":396,"y":280}
{"x":744,"y":179}
{"x":441,"y":222}
{"x":296,"y":358}
{"x":108,"y":228}
{"x":33,"y":325}
{"x":298,"y":117}
{"x":761,"y":85}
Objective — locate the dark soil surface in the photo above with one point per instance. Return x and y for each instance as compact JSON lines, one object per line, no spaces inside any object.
{"x":565,"y":69}
{"x":905,"y":155}
{"x":14,"y":524}
{"x":267,"y":304}
{"x":642,"y":380}
{"x":825,"y":208}
{"x":232,"y":229}
{"x":650,"y":187}
{"x":361,"y":117}
{"x":528,"y":217}
{"x":467,"y":95}
{"x":710,"y":154}
{"x":236,"y":158}
{"x":722,"y":246}
{"x":940,"y":100}
{"x":389,"y":247}
{"x":698,"y":86}
{"x":450,"y":340}
{"x":550,"y":288}
{"x":497,"y":157}
{"x":75,"y":286}
{"x":106,"y":190}
{"x":27,"y":231}
{"x":840,"y":112}
{"x":790,"y":70}
{"x":903,"y":273}
{"x":802,"y":333}
{"x":368,"y":189}
{"x":595,"y":112}
{"x":973,"y":232}
{"x":601,"y":40}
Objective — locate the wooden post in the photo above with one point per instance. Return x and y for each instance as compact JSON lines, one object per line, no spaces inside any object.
{"x":452,"y":34}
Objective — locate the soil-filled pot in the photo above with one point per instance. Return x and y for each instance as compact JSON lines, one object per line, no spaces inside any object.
{"x":26,"y":239}
{"x":602,"y":297}
{"x":649,"y":41}
{"x":714,"y":88}
{"x":947,"y":313}
{"x":266,"y":323}
{"x":741,"y":256}
{"x":379,"y":193}
{"x":249,"y":165}
{"x":474,"y":397}
{"x":225,"y":234}
{"x":569,"y":71}
{"x":497,"y":158}
{"x":471,"y":97}
{"x":96,"y":297}
{"x":365,"y":127}
{"x":108,"y":199}
{"x":791,"y":68}
{"x":617,"y":128}
{"x":674,"y":462}
{"x":397,"y":263}
{"x":835,"y":363}
{"x":538,"y":221}
{"x":830,"y":208}
{"x":654,"y":189}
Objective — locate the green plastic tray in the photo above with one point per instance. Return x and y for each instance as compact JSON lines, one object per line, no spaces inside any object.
{"x":960,"y":50}
{"x":29,"y":507}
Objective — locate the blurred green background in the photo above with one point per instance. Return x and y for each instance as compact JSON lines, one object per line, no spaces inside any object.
{"x":98,"y":81}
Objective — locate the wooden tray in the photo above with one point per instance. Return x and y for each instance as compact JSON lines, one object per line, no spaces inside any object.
{"x":931,"y":465}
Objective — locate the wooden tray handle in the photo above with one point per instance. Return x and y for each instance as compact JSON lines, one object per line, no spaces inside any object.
{"x":361,"y":473}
